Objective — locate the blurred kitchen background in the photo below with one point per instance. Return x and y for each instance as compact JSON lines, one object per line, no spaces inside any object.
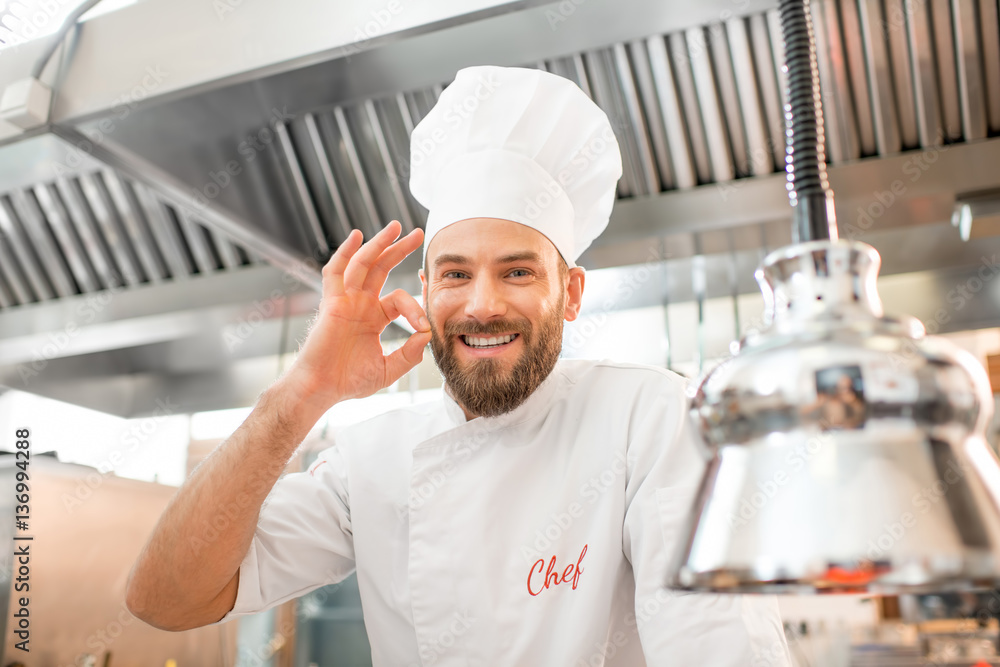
{"x":163,"y":223}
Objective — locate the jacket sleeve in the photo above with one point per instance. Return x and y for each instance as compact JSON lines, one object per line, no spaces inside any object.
{"x":303,"y":538}
{"x":681,"y":628}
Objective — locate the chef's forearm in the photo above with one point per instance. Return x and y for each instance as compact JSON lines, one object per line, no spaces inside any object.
{"x":186,"y":576}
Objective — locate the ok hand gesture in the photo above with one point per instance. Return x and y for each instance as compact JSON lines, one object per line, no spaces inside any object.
{"x":342,"y":356}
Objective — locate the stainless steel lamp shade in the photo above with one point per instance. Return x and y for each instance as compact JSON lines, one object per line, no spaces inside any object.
{"x":849,"y":450}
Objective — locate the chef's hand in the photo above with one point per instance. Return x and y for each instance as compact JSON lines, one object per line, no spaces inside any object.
{"x":342,"y":356}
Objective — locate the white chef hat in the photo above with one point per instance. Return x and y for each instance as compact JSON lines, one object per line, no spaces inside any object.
{"x":517,"y":144}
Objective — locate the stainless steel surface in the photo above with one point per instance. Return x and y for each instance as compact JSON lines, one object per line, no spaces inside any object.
{"x":639,"y":136}
{"x":767,"y":84}
{"x":332,"y":113}
{"x":857,"y":75}
{"x":945,"y":56}
{"x":989,"y":23}
{"x":925,"y":87}
{"x":360,"y":188}
{"x":971,"y":84}
{"x":313,"y":230}
{"x":758,"y":148}
{"x":658,"y":150}
{"x":677,"y":48}
{"x":719,"y":49}
{"x":881,"y":93}
{"x":899,"y":58}
{"x":208,"y":342}
{"x":699,"y":56}
{"x":839,"y":121}
{"x":681,"y":162}
{"x":848,"y":449}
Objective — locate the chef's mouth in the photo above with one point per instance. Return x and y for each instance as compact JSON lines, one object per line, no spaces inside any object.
{"x":478,"y":342}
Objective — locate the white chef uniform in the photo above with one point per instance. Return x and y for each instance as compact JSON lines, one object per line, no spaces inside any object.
{"x":540,"y":537}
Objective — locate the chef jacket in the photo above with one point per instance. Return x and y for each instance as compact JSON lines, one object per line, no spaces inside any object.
{"x":539,"y":537}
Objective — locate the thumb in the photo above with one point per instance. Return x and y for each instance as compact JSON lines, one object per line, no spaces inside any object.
{"x":406,"y":357}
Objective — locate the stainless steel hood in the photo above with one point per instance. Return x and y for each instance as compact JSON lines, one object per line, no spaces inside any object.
{"x":201,"y":161}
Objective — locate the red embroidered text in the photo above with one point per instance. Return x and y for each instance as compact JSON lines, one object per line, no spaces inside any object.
{"x":541,"y":577}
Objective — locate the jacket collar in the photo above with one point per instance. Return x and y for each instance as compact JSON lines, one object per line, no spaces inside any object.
{"x":537,"y":403}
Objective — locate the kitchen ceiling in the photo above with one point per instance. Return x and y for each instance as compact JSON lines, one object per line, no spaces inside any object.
{"x":210,"y":156}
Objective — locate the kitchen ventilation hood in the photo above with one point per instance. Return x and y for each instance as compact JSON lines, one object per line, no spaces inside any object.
{"x":234,"y":151}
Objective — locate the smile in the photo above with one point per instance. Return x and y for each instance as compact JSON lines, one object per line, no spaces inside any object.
{"x":482,"y":342}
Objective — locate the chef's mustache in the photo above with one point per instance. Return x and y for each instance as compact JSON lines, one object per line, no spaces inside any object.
{"x":492,"y":328}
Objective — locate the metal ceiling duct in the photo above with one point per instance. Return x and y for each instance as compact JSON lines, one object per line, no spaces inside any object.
{"x":849,"y":448}
{"x":203,"y":157}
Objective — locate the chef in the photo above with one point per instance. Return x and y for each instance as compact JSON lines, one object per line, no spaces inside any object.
{"x":528,"y":517}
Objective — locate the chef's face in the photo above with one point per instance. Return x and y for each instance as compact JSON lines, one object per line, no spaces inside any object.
{"x":496,"y":294}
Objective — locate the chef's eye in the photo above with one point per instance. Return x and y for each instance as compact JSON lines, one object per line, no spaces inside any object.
{"x":454,"y":274}
{"x":519,"y":273}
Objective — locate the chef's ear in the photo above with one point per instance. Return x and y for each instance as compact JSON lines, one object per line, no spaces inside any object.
{"x":574,"y":293}
{"x":423,"y":285}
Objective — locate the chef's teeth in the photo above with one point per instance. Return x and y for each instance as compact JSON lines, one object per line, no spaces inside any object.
{"x":478,"y":341}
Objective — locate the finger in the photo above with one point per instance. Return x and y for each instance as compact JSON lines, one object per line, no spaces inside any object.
{"x":333,"y":272}
{"x":357,"y":269}
{"x":398,"y":302}
{"x":390,"y":258}
{"x":406,"y":357}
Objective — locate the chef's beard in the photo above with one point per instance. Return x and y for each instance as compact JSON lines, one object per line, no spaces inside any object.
{"x":482,"y":386}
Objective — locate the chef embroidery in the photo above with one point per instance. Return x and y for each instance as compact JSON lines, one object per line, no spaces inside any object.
{"x":541,"y":576}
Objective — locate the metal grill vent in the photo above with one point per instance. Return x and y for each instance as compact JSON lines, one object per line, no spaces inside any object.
{"x":695,"y":107}
{"x":96,"y":231}
{"x":690,"y":108}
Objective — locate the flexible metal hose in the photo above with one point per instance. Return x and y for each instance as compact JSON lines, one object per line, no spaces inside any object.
{"x":805,"y":156}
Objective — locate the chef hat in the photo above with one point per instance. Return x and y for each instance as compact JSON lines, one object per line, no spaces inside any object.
{"x":517,"y":144}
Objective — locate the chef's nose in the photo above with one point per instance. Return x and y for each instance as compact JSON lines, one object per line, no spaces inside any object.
{"x":485,"y":300}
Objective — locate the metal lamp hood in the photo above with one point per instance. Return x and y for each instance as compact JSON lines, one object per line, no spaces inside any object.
{"x":848,"y":448}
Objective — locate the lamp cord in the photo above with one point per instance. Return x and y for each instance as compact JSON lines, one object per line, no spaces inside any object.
{"x":805,"y":154}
